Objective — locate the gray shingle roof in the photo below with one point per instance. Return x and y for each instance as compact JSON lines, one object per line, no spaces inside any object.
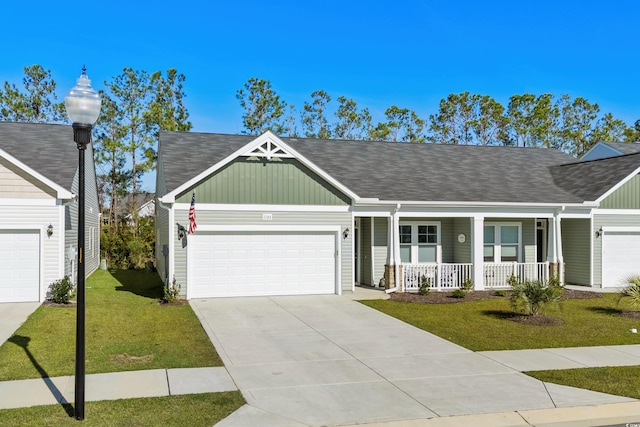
{"x":47,"y":149}
{"x":408,"y":172}
{"x":625,"y":147}
{"x":591,"y":179}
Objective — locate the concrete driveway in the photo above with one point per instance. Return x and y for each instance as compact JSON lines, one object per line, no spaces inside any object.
{"x":327,"y":360}
{"x":12,"y":315}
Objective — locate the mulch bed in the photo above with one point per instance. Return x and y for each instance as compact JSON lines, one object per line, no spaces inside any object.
{"x":539,"y":320}
{"x":447,"y":297}
{"x":50,"y":303}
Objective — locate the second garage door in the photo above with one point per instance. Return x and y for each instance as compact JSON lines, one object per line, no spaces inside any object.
{"x":620,"y":256}
{"x":19,"y":266}
{"x":261,"y":263}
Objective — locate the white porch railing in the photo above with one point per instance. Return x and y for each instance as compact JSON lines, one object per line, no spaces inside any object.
{"x":497,"y":274}
{"x":439,"y":276}
{"x":442,"y":277}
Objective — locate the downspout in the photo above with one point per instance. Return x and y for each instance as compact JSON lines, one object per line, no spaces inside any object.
{"x":395,"y":250}
{"x":170,"y":242}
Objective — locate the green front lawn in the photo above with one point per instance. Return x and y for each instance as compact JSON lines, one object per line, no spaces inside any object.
{"x":126,"y":329}
{"x":485,"y":325}
{"x":189,"y":411}
{"x":619,"y":380}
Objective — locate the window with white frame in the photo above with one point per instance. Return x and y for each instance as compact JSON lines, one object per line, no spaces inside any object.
{"x":503,"y":242}
{"x":419,"y":242}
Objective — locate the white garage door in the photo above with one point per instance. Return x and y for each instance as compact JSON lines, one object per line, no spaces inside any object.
{"x":261,"y":263}
{"x":19,"y":266}
{"x":620,"y":256}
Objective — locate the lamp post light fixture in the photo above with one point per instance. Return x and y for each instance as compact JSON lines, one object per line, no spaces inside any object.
{"x":83,"y":107}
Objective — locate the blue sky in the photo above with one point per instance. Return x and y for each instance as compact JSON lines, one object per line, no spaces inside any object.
{"x":380,"y":53}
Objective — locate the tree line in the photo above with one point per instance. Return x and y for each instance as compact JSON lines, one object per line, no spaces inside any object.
{"x":137,"y":105}
{"x":568,"y":124}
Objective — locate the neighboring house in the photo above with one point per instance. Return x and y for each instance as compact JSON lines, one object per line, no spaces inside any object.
{"x":145,"y":204}
{"x":39,"y":211}
{"x":280,"y":216}
{"x":609,"y":149}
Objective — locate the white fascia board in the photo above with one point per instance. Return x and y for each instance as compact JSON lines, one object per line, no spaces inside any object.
{"x":618,"y":185}
{"x":620,"y":229}
{"x":62,"y":193}
{"x":616,"y":211}
{"x":265,"y":137}
{"x":263,"y":208}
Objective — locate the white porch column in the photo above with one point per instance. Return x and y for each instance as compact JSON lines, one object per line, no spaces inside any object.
{"x":390,"y":268}
{"x":558,"y":229}
{"x":390,"y":242}
{"x":477,"y":251}
{"x":551,"y":242}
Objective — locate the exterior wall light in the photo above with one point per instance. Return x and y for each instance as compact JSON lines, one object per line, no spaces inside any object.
{"x":345,"y":233}
{"x":50,"y":231}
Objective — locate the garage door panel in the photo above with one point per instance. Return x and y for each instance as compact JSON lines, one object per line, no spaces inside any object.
{"x":19,"y":265}
{"x":263,"y":264}
{"x":620,"y":257}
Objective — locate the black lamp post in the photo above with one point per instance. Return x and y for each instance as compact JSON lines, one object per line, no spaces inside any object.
{"x":83,"y":107}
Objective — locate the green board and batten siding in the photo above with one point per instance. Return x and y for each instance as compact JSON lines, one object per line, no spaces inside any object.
{"x":576,"y":244}
{"x":274,"y":182}
{"x":625,"y":197}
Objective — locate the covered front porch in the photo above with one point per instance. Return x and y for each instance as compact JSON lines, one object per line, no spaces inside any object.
{"x":402,"y":250}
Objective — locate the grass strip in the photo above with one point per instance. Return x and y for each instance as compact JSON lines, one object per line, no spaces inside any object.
{"x":191,"y":410}
{"x":618,"y":380}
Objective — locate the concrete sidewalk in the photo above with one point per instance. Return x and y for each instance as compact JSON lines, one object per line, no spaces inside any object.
{"x":115,"y":385}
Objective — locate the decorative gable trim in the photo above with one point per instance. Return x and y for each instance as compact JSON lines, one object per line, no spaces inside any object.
{"x":269,"y":148}
{"x":61,"y":192}
{"x":266,"y":146}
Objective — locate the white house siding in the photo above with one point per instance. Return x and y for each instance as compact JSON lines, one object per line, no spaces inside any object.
{"x":16,"y":184}
{"x":576,"y":247}
{"x":38,"y":218}
{"x":255,"y":218}
{"x":380,"y":248}
{"x":608,"y":220}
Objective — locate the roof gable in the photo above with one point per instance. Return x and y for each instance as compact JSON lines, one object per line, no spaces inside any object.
{"x":266,"y":145}
{"x":609,"y":149}
{"x":46,"y":152}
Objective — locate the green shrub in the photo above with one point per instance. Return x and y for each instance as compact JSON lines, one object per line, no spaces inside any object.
{"x":531,"y":296}
{"x":172,"y":291}
{"x":425,"y":285}
{"x":500,"y":293}
{"x":62,"y":290}
{"x":459,"y":293}
{"x":631,"y":293}
{"x":467,"y":285}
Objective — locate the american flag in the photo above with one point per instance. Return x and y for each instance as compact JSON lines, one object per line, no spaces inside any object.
{"x":192,"y":215}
